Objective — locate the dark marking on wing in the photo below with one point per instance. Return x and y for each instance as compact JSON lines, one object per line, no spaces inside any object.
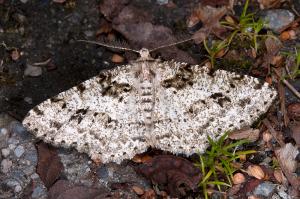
{"x":81,"y":111}
{"x":244,"y":102}
{"x":79,"y":119}
{"x":81,"y":87}
{"x":112,"y":88}
{"x":79,"y":115}
{"x":37,"y":111}
{"x":221,"y":99}
{"x":55,"y":99}
{"x":259,"y":85}
{"x":183,"y":77}
{"x":239,"y":77}
{"x":64,"y":105}
{"x":56,"y":125}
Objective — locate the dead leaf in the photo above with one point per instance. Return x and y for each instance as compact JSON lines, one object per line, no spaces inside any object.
{"x":141,"y":158}
{"x":149,"y":194}
{"x":117,"y":58}
{"x":215,"y":3}
{"x":138,"y":190}
{"x":273,"y":46}
{"x":294,"y":111}
{"x":249,"y":134}
{"x":63,"y":189}
{"x":266,"y":4}
{"x":15,"y":55}
{"x":111,"y":8}
{"x":49,"y":165}
{"x":178,"y":174}
{"x":135,"y":25}
{"x":286,"y":156}
{"x":210,"y":17}
{"x":295,"y":128}
{"x":59,"y":1}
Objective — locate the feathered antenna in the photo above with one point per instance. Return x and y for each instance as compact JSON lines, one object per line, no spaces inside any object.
{"x":171,"y":44}
{"x":118,"y":46}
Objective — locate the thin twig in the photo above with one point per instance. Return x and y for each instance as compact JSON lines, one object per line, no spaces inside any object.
{"x":274,"y":133}
{"x":291,"y":87}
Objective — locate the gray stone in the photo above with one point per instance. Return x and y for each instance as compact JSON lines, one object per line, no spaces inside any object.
{"x":39,"y":192}
{"x":17,"y":128}
{"x":19,"y":151}
{"x":32,"y":71}
{"x":5,"y":119}
{"x":281,"y":190}
{"x":18,"y":188}
{"x":5,"y":152}
{"x":12,"y":146}
{"x":6,"y":165}
{"x":3,"y":137}
{"x":277,"y":18}
{"x":162,"y":2}
{"x":264,"y":189}
{"x":28,"y":100}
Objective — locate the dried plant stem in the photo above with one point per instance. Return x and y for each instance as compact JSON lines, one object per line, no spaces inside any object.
{"x":291,"y":87}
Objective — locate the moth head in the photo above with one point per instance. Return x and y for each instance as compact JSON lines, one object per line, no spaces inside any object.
{"x":144,"y":53}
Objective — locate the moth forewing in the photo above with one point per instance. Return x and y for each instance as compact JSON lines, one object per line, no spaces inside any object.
{"x":169,"y":105}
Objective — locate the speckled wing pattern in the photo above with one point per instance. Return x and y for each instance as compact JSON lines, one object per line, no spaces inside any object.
{"x":104,"y":118}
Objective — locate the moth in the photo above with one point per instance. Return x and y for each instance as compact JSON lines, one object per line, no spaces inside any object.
{"x":167,"y":105}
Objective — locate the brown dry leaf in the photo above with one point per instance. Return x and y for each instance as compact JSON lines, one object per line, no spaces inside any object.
{"x":49,"y":165}
{"x":111,"y":8}
{"x":215,"y":3}
{"x":256,"y":171}
{"x":266,"y":4}
{"x":238,"y":178}
{"x":149,"y":194}
{"x":295,"y":128}
{"x":117,"y":58}
{"x":176,"y":173}
{"x":210,"y":17}
{"x":294,"y":111}
{"x":138,"y":190}
{"x":59,"y":1}
{"x":15,"y":54}
{"x":63,"y":189}
{"x":287,"y":155}
{"x":141,"y":158}
{"x":273,"y":46}
{"x":249,"y":134}
{"x":135,"y":25}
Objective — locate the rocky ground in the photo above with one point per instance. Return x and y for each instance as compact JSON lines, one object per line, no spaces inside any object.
{"x":41,"y":57}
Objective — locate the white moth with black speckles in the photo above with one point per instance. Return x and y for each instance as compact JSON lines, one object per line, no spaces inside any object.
{"x":167,"y":105}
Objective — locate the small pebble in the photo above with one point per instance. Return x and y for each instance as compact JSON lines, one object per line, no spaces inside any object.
{"x":6,"y":165}
{"x":38,"y":192}
{"x":276,"y":19}
{"x":162,"y":2}
{"x":89,"y":33}
{"x":11,"y":146}
{"x":19,"y":151}
{"x":18,"y":188}
{"x":32,"y":71}
{"x":264,"y":189}
{"x":28,"y":100}
{"x":5,"y":152}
